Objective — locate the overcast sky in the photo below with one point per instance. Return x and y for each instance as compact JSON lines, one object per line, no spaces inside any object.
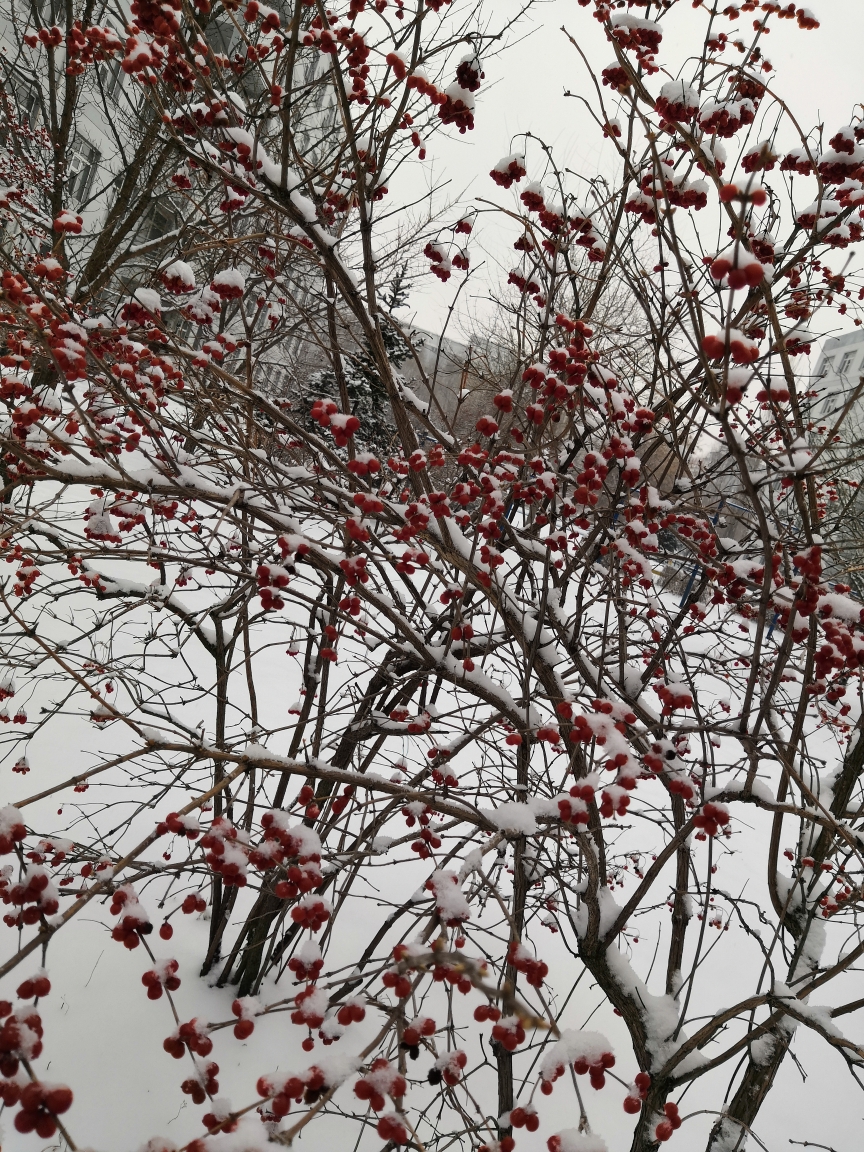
{"x":819,"y":73}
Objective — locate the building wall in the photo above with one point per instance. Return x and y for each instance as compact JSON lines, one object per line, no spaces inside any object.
{"x":450,"y":376}
{"x":838,"y":373}
{"x":94,"y":154}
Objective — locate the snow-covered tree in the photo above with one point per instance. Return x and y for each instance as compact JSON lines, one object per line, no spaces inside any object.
{"x":381,"y":751}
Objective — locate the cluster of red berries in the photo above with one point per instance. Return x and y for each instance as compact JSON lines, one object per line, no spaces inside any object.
{"x":221,"y":1119}
{"x":311,"y":912}
{"x":675,"y":697}
{"x":487,"y":1012}
{"x":642,"y":37}
{"x":305,"y":966}
{"x":449,"y":1068}
{"x":525,"y":1118}
{"x":134,"y":922}
{"x":535,"y":971}
{"x":41,"y":1104}
{"x":308,"y":1086}
{"x":199,"y":1090}
{"x":684,"y":788}
{"x":179,"y":826}
{"x":453,"y":975}
{"x":245,"y":1009}
{"x":311,"y":1007}
{"x":595,"y":1068}
{"x":711,"y":819}
{"x":426,"y":844}
{"x":509,"y":1033}
{"x":34,"y":889}
{"x":194,"y":1035}
{"x":55,"y":848}
{"x":226,"y":852}
{"x":351,"y":1012}
{"x":419,"y":1027}
{"x":638,"y":1092}
{"x":401,"y":985}
{"x":742,"y":350}
{"x":575,"y":810}
{"x":417,"y":811}
{"x":34,"y":987}
{"x":341,"y":802}
{"x":327,"y":414}
{"x":298,"y":878}
{"x":666,"y":1127}
{"x":283,"y":841}
{"x":270,"y":580}
{"x":162,"y":976}
{"x":614,"y":801}
{"x":381,"y":1080}
{"x":392,"y":1127}
{"x":20,"y":1036}
{"x":508,"y":171}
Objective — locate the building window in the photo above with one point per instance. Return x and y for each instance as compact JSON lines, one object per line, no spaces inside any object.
{"x":110,"y":78}
{"x":826,"y":369}
{"x":845,"y":363}
{"x":158,"y":221}
{"x":221,"y":35}
{"x":22,"y":92}
{"x":28,"y":104}
{"x":82,"y":163}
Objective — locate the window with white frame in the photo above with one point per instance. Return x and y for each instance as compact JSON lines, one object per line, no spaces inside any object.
{"x":29,"y":107}
{"x":110,"y":78}
{"x":845,"y":362}
{"x":158,"y":220}
{"x":221,"y":34}
{"x":22,"y":93}
{"x":81,"y":165}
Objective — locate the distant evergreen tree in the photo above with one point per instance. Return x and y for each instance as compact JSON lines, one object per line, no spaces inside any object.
{"x":365,"y":387}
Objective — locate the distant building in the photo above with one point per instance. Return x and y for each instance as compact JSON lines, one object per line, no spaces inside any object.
{"x":94,"y":155}
{"x":108,"y":116}
{"x":452,"y":380}
{"x":838,"y":374}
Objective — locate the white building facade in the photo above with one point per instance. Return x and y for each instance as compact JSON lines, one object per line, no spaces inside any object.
{"x":839,"y":371}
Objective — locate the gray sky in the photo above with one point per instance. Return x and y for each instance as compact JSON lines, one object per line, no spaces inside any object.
{"x":818,"y":73}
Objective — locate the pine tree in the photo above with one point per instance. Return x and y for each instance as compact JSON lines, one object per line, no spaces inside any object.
{"x":363,"y":384}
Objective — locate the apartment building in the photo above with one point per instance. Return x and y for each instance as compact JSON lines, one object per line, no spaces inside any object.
{"x":106,"y":107}
{"x":107,"y":124}
{"x":839,"y":370}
